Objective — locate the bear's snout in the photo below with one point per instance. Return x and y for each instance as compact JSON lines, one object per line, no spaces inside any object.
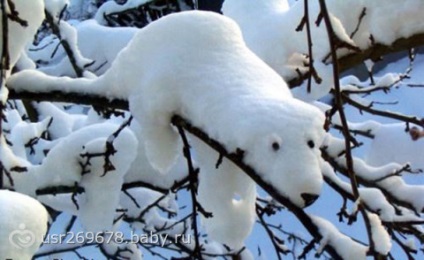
{"x":309,"y":198}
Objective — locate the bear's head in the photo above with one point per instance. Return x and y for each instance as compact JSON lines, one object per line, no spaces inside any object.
{"x":283,"y":146}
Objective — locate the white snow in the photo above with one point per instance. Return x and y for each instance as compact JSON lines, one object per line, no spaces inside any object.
{"x":19,"y":36}
{"x":261,"y":34}
{"x":412,"y":194}
{"x":272,"y":36}
{"x":198,"y":65}
{"x":55,"y":7}
{"x":212,"y":82}
{"x":60,"y":202}
{"x":81,"y":9}
{"x":214,"y":86}
{"x":410,"y":243}
{"x":387,"y":80}
{"x":42,"y":83}
{"x":69,"y":33}
{"x":272,"y":127}
{"x":10,"y":161}
{"x":97,"y":208}
{"x":66,"y":32}
{"x":138,"y":204}
{"x":272,"y":33}
{"x":335,"y":148}
{"x":23,"y":223}
{"x":393,"y":185}
{"x":386,"y":28}
{"x":229,"y":194}
{"x":400,"y":148}
{"x":344,"y":245}
{"x":128,"y":251}
{"x":22,"y":133}
{"x":380,"y":237}
{"x":374,"y":199}
{"x":4,"y":94}
{"x":209,"y":73}
{"x":63,"y":167}
{"x":113,"y":7}
{"x":62,"y":123}
{"x":98,"y":43}
{"x":141,"y":170}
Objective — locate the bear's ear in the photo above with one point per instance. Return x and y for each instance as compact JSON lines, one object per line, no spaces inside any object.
{"x":162,"y":145}
{"x":274,"y":142}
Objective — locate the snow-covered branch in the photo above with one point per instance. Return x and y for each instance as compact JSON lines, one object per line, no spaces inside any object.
{"x":68,"y":97}
{"x":362,"y":171}
{"x":332,"y":36}
{"x":135,"y":13}
{"x":375,"y":52}
{"x":67,"y":37}
{"x":368,"y":108}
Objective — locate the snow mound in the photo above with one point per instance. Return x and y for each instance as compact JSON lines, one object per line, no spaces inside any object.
{"x":19,"y":36}
{"x":23,"y":223}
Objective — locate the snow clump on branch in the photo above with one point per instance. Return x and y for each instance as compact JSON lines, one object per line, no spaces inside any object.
{"x":221,"y":86}
{"x":21,"y":32}
{"x":23,"y":222}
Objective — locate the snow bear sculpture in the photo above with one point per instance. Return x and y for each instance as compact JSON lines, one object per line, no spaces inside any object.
{"x":195,"y":64}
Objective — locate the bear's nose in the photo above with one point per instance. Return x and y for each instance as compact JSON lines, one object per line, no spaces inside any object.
{"x":309,"y":198}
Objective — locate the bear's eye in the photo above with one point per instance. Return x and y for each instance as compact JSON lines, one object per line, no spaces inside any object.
{"x":311,"y":144}
{"x":275,"y":146}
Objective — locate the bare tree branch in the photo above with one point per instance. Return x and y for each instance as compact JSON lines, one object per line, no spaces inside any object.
{"x":374,"y":52}
{"x":193,"y":177}
{"x":70,"y":97}
{"x":65,"y":44}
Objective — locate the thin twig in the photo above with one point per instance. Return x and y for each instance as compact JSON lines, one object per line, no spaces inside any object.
{"x":306,"y":21}
{"x":65,"y":44}
{"x":358,"y":25}
{"x":345,"y":126}
{"x":388,"y":114}
{"x":374,"y":52}
{"x":193,"y":173}
{"x":260,"y":213}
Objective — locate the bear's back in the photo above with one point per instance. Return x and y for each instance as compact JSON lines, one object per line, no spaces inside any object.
{"x":189,"y":52}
